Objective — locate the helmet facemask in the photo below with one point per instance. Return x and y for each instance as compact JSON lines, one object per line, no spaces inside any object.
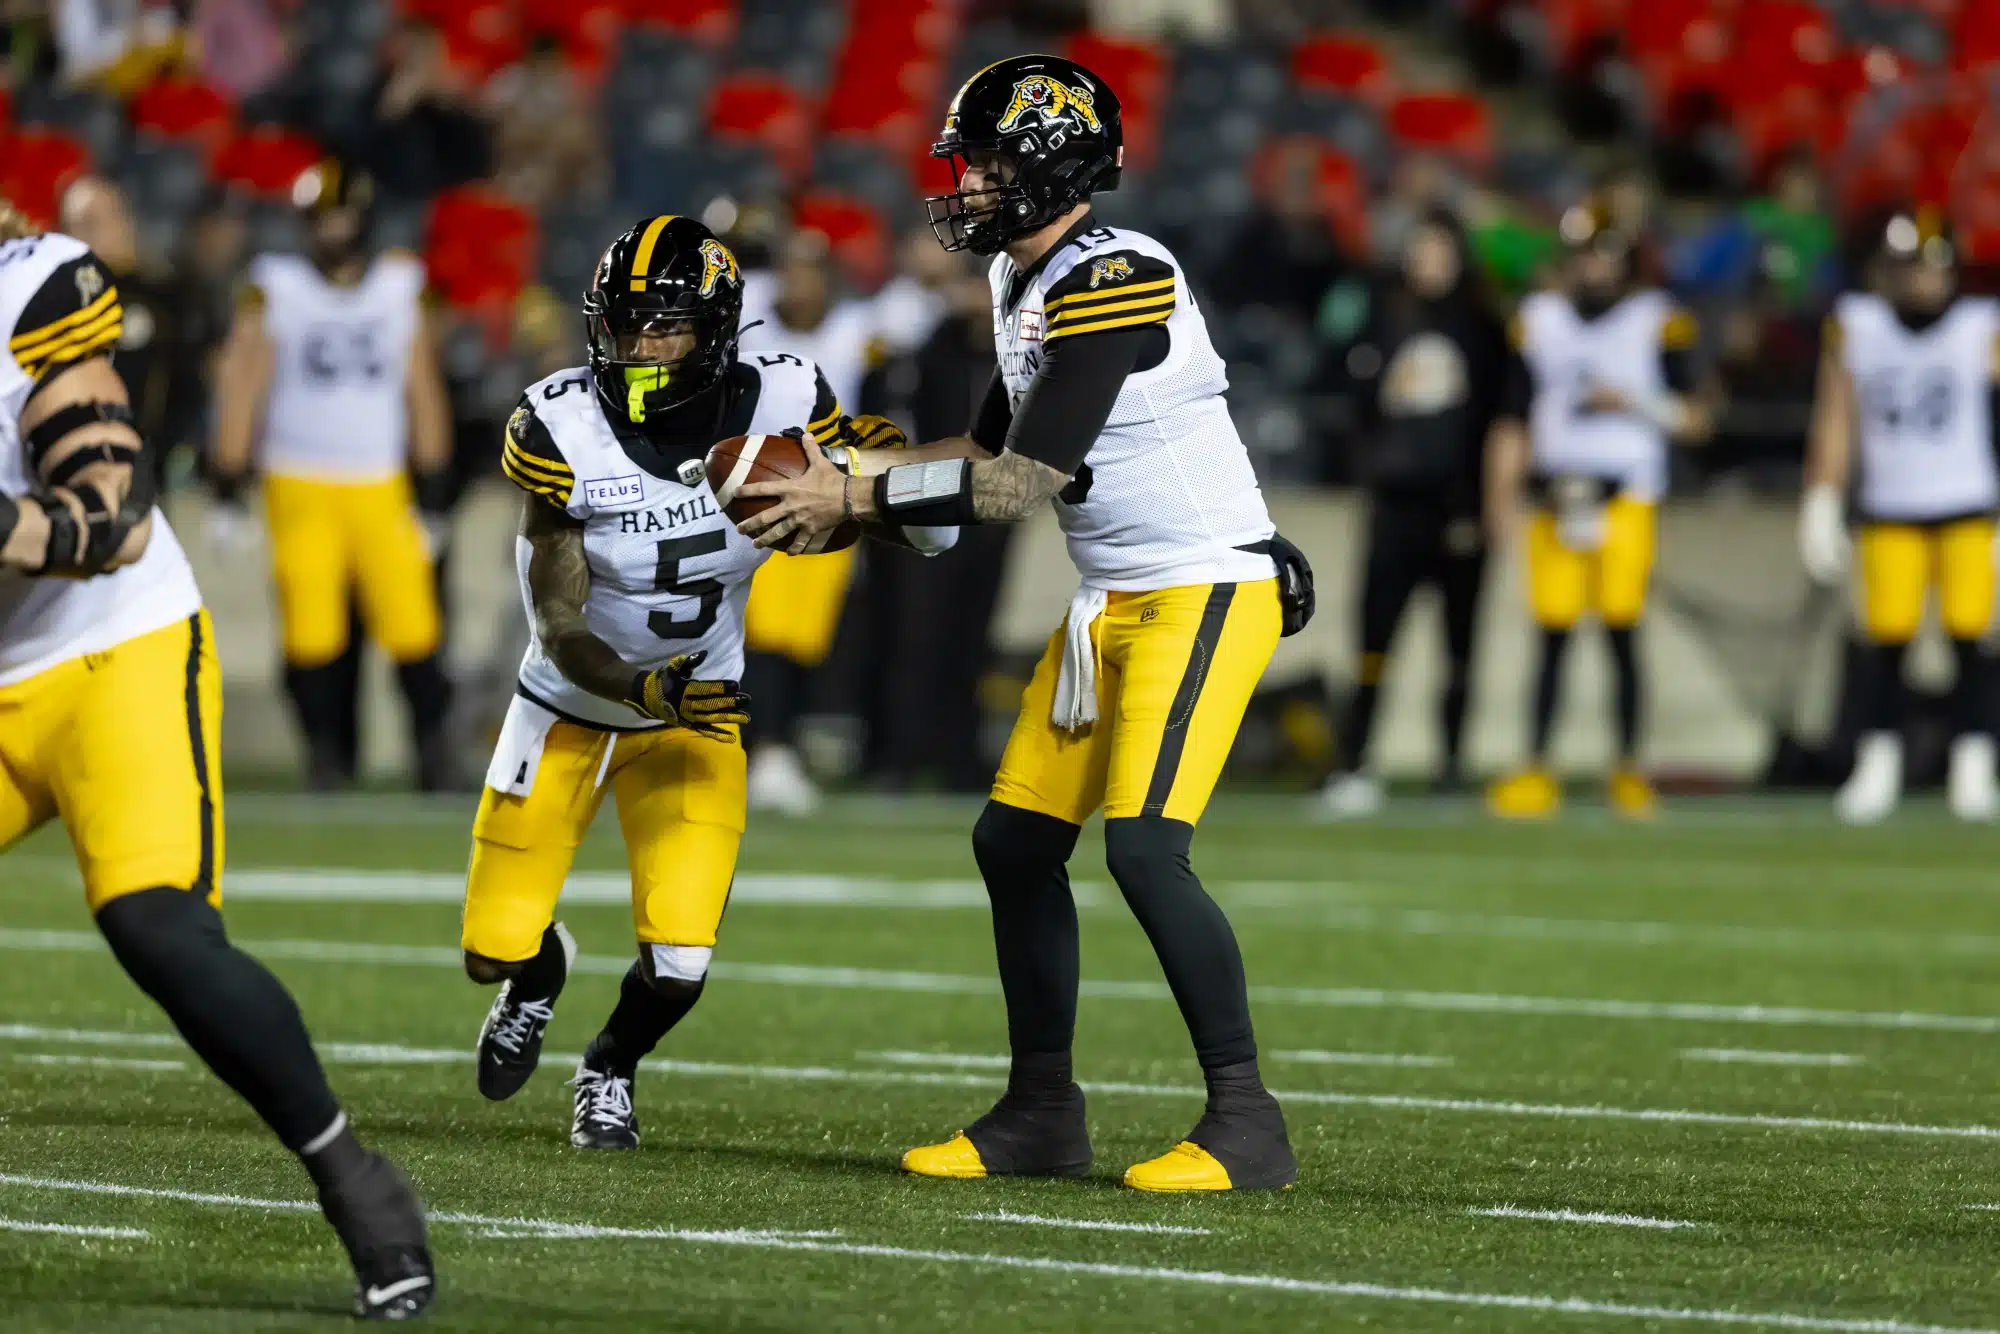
{"x":983,"y":220}
{"x":650,"y":360}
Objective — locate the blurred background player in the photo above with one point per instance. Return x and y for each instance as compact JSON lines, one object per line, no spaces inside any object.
{"x":329,"y":384}
{"x":111,"y":719}
{"x":1430,"y":366}
{"x":1603,"y":380}
{"x":795,"y":605}
{"x":1903,"y":415}
{"x":634,"y":580}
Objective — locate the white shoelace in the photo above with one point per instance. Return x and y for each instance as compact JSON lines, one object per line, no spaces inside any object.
{"x":607,"y":1098}
{"x":512,"y":1032}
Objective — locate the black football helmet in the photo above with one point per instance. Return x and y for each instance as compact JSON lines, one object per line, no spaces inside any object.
{"x":668,"y":275}
{"x":1056,"y":130}
{"x":336,"y":203}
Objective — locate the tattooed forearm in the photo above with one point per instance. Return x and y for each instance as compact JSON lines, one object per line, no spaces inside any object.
{"x":1012,"y":486}
{"x":559,"y":585}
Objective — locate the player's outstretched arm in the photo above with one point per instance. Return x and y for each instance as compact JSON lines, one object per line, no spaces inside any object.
{"x":558,"y":587}
{"x":242,"y":380}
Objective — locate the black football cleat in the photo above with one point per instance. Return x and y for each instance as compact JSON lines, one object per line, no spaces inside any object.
{"x":604,"y":1118}
{"x":380,"y":1221}
{"x":1047,"y":1138}
{"x":510,"y":1041}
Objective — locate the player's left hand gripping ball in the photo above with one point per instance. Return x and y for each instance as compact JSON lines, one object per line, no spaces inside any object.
{"x":672,"y":695}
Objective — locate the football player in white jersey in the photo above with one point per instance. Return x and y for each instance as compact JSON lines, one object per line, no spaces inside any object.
{"x":1602,"y":380}
{"x":111,"y":720}
{"x":1902,"y":414}
{"x":634,"y":580}
{"x":330,"y":383}
{"x":1108,"y":401}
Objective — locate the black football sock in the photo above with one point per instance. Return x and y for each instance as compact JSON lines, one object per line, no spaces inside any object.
{"x":1023,"y":857}
{"x":1148,"y":857}
{"x":1971,"y":694}
{"x":1359,"y":725}
{"x":334,"y":1155}
{"x":320,"y":709}
{"x":1627,"y":699}
{"x":641,"y":1018}
{"x":1548,"y":688}
{"x":1457,"y":696}
{"x":1884,"y":697}
{"x":542,"y":977}
{"x":237,"y":1017}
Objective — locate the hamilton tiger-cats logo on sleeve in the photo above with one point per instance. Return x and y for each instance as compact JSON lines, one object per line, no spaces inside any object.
{"x":717,"y":263}
{"x":1110,"y":269}
{"x":1056,"y":106}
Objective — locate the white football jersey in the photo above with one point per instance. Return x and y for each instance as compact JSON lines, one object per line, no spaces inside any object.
{"x":1567,"y":355}
{"x":337,"y":410}
{"x":1166,"y":496}
{"x":840,"y":346}
{"x":57,"y":303}
{"x":669,"y":573}
{"x":1923,"y":426}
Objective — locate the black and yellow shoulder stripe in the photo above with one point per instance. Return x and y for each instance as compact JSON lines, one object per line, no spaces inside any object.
{"x":75,"y":314}
{"x":826,"y":414}
{"x":531,"y":460}
{"x":1113,"y":291}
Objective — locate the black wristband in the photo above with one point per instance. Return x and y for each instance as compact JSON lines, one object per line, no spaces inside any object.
{"x":434,"y":491}
{"x":933,"y":494}
{"x":64,"y":537}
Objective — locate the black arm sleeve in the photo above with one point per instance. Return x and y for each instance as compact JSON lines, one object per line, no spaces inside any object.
{"x":1071,"y":397}
{"x":995,"y":415}
{"x":1677,"y":367}
{"x":1516,"y":387}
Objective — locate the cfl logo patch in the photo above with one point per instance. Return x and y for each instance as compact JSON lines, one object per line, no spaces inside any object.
{"x":1112,"y":269}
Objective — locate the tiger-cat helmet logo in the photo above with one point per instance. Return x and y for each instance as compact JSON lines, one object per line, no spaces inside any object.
{"x":716,"y":264}
{"x":1111,"y":269}
{"x":1053,"y":104}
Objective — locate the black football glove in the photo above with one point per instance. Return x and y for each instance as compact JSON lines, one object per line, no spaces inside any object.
{"x":672,"y":695}
{"x":872,"y":432}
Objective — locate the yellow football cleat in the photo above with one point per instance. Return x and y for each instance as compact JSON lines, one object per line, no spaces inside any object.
{"x":1187,"y":1166}
{"x":956,"y":1158}
{"x":1631,"y":795}
{"x":1531,"y":794}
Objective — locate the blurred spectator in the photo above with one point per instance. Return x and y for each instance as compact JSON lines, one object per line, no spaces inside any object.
{"x":1785,"y":238}
{"x":913,"y":302}
{"x":241,"y":44}
{"x":425,"y":136}
{"x":934,"y":615}
{"x":205,"y":273}
{"x":809,"y":319}
{"x":1766,"y":359}
{"x":1201,"y":20}
{"x":1429,"y":370}
{"x":95,"y":212}
{"x":116,"y":45}
{"x":1514,"y":248}
{"x":1419,"y":183}
{"x":549,"y":145}
{"x":1285,"y":255}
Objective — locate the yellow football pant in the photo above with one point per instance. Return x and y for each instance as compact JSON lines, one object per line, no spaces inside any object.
{"x":124,"y":746}
{"x":333,"y":539}
{"x":1901,"y":562}
{"x":1176,"y":668}
{"x":680,"y":802}
{"x":1611,"y":581}
{"x":795,"y":604}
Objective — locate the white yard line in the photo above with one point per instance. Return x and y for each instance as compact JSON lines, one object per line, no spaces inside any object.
{"x":951,"y":1059}
{"x":74,"y":1229}
{"x":1360,"y":1058}
{"x":1085,"y":1224}
{"x":105,"y":1062}
{"x":1572,"y":1216}
{"x":756,"y":1239}
{"x":391,"y":1054}
{"x":878,"y":979}
{"x":1749,"y":1056}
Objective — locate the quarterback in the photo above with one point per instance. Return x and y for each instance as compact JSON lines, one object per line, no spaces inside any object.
{"x":111,"y":719}
{"x":1107,"y":401}
{"x":634,"y":580}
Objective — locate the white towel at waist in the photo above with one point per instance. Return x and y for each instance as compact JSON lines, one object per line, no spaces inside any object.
{"x":1076,"y":681}
{"x":518,"y":752}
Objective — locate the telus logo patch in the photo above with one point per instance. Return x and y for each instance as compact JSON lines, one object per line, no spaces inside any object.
{"x":614,"y":492}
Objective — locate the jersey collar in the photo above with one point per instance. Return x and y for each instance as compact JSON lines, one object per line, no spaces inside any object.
{"x":1018,"y":285}
{"x":690,"y":429}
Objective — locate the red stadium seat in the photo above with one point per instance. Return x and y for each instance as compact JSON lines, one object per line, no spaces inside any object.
{"x":1138,"y":72}
{"x":266,"y":160}
{"x":853,"y":229}
{"x":480,"y":248}
{"x":587,"y":29}
{"x":1343,"y":185}
{"x":1349,"y":66}
{"x":186,"y":109}
{"x":764,"y":110}
{"x":37,"y":167}
{"x":484,"y":39}
{"x":709,"y":22}
{"x":1577,"y":28}
{"x":1454,"y":123}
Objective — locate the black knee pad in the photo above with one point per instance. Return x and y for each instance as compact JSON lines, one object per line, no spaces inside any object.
{"x":1146,"y":850}
{"x":156,"y":930}
{"x":1007,"y":838}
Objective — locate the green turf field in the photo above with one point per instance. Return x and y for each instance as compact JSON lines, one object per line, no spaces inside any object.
{"x":1769,"y":1047}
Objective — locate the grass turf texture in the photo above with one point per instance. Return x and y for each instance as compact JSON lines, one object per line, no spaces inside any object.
{"x":1528,"y":966}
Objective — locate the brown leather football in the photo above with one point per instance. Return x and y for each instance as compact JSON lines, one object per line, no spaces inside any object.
{"x":742,"y":459}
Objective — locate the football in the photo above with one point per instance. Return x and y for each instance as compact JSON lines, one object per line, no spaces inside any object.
{"x":742,"y":459}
